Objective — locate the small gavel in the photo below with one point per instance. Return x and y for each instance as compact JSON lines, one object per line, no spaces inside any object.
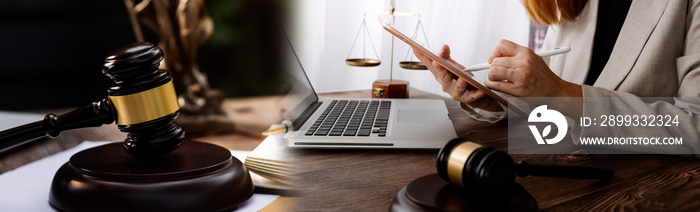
{"x":143,"y":103}
{"x":470,"y":165}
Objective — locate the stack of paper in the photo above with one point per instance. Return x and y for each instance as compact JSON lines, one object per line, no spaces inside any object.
{"x":272,"y":161}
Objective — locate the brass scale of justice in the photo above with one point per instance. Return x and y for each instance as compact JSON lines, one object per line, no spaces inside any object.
{"x":390,"y":88}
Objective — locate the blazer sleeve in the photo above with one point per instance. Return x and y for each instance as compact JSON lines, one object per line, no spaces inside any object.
{"x":685,"y":105}
{"x":484,"y":115}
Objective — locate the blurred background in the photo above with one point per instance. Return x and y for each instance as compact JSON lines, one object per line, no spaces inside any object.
{"x":241,"y":56}
{"x":52,"y":51}
{"x":324,"y":32}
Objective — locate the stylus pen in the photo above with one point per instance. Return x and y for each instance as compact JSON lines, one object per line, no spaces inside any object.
{"x":556,"y":51}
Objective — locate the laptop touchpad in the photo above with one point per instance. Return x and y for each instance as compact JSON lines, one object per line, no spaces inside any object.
{"x":429,"y":116}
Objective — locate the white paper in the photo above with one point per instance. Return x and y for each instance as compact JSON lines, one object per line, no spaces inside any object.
{"x":26,"y":189}
{"x":13,"y":119}
{"x":240,"y":155}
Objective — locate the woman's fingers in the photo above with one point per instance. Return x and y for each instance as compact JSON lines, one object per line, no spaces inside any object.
{"x":473,"y":95}
{"x":504,"y":48}
{"x":458,"y":88}
{"x":442,"y":75}
{"x":466,"y":95}
{"x":515,"y":89}
{"x":461,"y":85}
{"x":499,"y":73}
{"x":444,"y":52}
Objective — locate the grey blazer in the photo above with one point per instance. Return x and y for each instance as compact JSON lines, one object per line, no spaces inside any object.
{"x":657,"y":54}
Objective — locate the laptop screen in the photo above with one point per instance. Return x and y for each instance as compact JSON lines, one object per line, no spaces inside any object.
{"x":300,"y":95}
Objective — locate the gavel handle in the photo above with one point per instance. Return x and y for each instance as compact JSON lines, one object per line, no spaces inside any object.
{"x":564,"y":171}
{"x":92,"y":115}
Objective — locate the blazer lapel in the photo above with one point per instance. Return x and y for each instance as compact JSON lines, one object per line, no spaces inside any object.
{"x":641,"y":20}
{"x":579,"y":35}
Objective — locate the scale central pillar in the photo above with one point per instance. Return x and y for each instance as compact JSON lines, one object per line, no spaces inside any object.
{"x":387,"y":88}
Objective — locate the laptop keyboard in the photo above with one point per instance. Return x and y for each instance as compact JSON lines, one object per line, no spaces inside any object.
{"x":352,"y":118}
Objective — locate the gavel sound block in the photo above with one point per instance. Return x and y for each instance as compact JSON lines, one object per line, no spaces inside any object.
{"x":152,"y":170}
{"x":472,"y":177}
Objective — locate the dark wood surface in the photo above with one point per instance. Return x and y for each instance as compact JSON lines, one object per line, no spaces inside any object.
{"x":368,"y":180}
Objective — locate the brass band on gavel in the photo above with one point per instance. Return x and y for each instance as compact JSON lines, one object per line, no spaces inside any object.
{"x":146,"y":105}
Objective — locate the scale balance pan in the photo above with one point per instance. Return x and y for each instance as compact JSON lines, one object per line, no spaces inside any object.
{"x":363,"y":62}
{"x":413,"y":65}
{"x":431,"y":193}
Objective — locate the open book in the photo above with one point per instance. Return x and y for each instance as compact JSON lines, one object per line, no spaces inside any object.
{"x":271,"y":161}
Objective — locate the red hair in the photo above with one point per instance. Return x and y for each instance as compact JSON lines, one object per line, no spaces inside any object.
{"x":552,"y":12}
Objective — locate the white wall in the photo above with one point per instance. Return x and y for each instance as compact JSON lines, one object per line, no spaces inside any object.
{"x":323,"y":32}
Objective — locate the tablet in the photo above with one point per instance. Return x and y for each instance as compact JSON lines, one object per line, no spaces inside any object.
{"x":467,"y":76}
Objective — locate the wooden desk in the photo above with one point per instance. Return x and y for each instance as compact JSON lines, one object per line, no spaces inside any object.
{"x":368,"y":180}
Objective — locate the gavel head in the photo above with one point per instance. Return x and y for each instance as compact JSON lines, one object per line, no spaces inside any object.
{"x":144,"y":100}
{"x":472,"y":166}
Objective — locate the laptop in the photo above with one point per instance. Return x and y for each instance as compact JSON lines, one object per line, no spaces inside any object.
{"x":359,"y":123}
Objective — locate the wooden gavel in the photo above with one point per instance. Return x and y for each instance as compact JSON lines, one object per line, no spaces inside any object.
{"x":472,"y":166}
{"x":143,"y":104}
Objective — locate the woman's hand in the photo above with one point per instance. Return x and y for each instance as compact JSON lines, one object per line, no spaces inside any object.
{"x":518,"y":71}
{"x":458,"y":89}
